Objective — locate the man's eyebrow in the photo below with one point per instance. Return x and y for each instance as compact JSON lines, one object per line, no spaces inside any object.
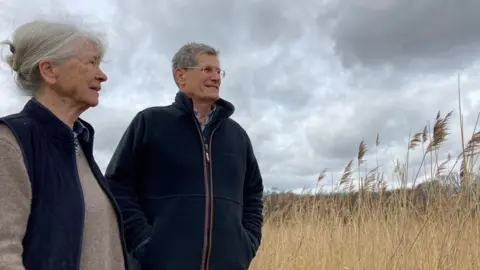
{"x":209,"y":66}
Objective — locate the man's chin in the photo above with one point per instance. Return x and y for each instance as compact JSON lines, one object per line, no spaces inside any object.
{"x":204,"y":97}
{"x":215,"y":99}
{"x":212,"y":97}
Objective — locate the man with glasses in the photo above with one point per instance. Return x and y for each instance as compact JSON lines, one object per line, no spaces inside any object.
{"x":186,"y":177}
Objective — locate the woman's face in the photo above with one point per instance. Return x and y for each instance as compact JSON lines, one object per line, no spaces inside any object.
{"x":79,"y":78}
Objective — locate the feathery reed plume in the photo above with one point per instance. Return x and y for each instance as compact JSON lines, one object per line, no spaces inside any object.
{"x":370,"y":180}
{"x":321,"y":176}
{"x":468,"y":154}
{"x":417,"y":138}
{"x":470,"y":151}
{"x":440,"y":132}
{"x":377,"y":141}
{"x":424,"y":140}
{"x":442,"y":167}
{"x":399,"y":170}
{"x":472,"y":146}
{"x":424,"y":134}
{"x":362,"y":150}
{"x":347,"y":174}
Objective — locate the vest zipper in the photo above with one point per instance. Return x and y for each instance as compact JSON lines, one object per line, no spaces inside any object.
{"x":77,"y":178}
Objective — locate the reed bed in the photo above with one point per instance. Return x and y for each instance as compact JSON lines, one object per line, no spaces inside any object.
{"x":432,"y":225}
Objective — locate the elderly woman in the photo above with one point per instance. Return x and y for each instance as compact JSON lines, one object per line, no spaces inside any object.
{"x":56,"y":209}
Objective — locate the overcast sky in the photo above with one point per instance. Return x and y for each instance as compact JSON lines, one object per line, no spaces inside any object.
{"x":309,"y":80}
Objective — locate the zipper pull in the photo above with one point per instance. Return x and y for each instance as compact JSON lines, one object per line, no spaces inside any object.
{"x":206,"y":153}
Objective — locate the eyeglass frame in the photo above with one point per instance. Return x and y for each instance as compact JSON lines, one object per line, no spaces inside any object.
{"x":221,"y":72}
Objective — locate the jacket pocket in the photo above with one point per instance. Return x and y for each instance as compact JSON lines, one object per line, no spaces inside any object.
{"x":231,"y":246}
{"x":177,"y":233}
{"x":248,"y":244}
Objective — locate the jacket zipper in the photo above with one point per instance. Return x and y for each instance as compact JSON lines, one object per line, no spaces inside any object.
{"x":206,"y":159}
{"x":209,"y":153}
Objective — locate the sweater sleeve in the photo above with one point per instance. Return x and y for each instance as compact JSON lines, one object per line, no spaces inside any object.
{"x":15,"y":200}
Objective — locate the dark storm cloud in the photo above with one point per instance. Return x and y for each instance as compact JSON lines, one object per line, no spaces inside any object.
{"x":413,"y":36}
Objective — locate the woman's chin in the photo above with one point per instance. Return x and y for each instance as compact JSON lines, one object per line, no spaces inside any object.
{"x":92,"y":100}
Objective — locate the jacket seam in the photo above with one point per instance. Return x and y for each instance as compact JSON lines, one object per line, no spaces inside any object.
{"x":190,"y":195}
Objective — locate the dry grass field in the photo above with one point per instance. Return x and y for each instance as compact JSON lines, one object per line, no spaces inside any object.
{"x":435,"y":225}
{"x":444,"y":235}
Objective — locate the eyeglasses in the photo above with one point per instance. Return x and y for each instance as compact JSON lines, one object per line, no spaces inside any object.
{"x":210,"y":71}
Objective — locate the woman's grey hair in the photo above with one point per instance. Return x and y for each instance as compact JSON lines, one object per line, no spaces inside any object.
{"x":187,"y":55}
{"x":45,"y":40}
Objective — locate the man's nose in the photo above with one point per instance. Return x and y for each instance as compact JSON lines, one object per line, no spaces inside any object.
{"x":215,"y":76}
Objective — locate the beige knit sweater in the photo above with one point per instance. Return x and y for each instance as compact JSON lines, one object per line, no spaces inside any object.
{"x":101,"y":241}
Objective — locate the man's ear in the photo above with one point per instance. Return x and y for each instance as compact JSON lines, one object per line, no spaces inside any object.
{"x":179,"y":76}
{"x":47,"y":71}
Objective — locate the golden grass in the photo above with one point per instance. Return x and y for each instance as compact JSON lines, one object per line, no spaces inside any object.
{"x":432,"y":226}
{"x":376,"y":237}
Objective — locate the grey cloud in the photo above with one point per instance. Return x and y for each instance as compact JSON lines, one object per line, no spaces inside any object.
{"x":412,"y":36}
{"x":302,"y":108}
{"x":109,"y":124}
{"x":232,"y":26}
{"x":255,"y":41}
{"x":394,"y":115}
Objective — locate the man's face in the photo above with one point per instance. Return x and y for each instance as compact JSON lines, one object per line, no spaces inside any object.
{"x":202,"y":82}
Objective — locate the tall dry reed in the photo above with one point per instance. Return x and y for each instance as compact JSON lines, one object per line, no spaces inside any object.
{"x":434,"y":225}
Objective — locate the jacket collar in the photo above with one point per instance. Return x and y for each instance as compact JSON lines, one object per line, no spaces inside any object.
{"x":185,"y":103}
{"x":51,"y":123}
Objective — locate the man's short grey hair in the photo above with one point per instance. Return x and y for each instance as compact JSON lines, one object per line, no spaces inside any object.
{"x":187,"y":55}
{"x":45,"y":40}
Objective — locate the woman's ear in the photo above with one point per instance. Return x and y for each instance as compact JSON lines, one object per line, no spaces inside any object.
{"x":47,"y":71}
